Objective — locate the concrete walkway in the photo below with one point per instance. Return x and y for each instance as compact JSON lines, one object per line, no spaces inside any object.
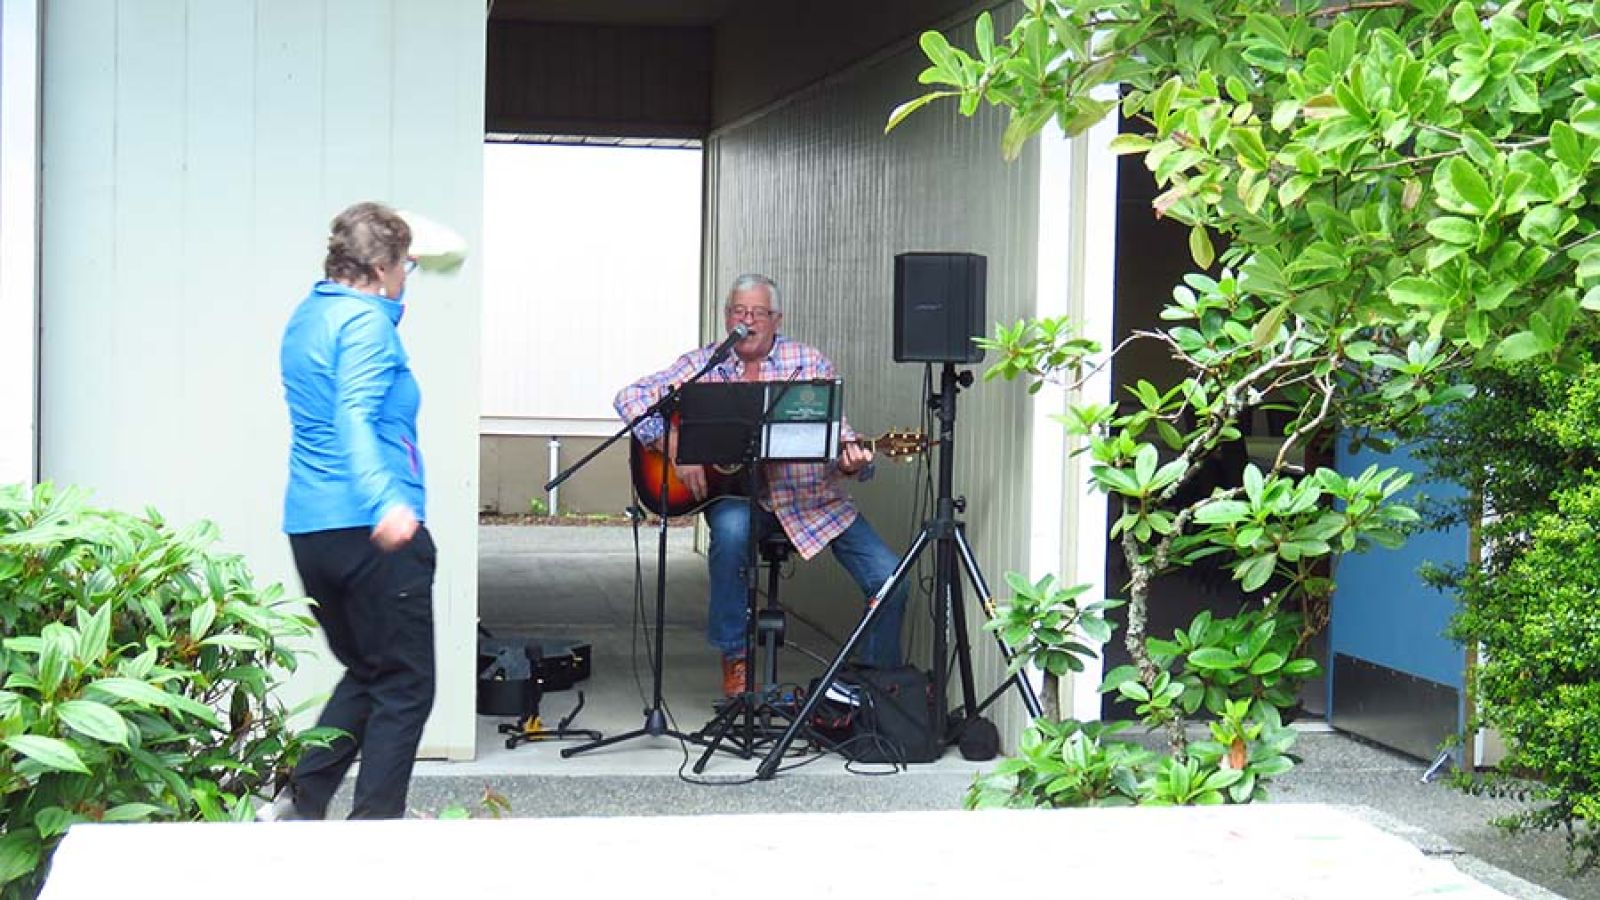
{"x":580,"y":582}
{"x":1215,"y":853}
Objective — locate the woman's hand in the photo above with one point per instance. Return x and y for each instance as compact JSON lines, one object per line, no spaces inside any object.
{"x":396,"y":529}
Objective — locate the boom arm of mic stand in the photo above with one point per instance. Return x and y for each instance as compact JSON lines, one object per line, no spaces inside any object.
{"x":664,"y":402}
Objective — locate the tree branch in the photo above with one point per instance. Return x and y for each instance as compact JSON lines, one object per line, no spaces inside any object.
{"x":1411,"y":161}
{"x":1328,"y":11}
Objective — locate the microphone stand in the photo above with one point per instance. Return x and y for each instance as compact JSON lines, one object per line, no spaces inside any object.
{"x":655,"y":716}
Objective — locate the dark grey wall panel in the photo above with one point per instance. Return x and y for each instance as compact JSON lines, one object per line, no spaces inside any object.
{"x":769,"y":49}
{"x":581,"y":79}
{"x":1413,"y":715}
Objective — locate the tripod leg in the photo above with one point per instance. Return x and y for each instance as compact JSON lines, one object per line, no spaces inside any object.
{"x":1030,"y":697}
{"x":958,"y":623}
{"x":724,"y":721}
{"x":769,"y":765}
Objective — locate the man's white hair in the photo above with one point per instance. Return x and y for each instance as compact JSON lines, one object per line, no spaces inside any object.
{"x":747,"y":282}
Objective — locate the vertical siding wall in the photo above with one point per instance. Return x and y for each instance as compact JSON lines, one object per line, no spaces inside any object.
{"x":813,"y":193}
{"x":19,"y":234}
{"x":194,"y":154}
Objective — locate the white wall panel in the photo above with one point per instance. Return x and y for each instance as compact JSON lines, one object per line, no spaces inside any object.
{"x":19,"y":237}
{"x":195,"y":152}
{"x":591,"y":278}
{"x":813,"y":193}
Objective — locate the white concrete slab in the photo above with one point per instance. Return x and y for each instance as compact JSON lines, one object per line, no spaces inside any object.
{"x":1283,"y":852}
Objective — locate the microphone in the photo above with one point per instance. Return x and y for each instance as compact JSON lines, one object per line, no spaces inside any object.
{"x":736,"y":334}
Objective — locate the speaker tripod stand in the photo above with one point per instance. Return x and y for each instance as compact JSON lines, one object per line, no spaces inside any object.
{"x":946,"y":534}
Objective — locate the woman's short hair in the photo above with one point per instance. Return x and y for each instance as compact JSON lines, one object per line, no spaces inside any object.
{"x":364,"y":236}
{"x":747,"y":282}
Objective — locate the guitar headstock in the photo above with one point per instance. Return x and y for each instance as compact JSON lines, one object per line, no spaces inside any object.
{"x":901,"y":445}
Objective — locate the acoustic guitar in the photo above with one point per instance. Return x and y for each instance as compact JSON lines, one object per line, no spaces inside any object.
{"x":645,"y":464}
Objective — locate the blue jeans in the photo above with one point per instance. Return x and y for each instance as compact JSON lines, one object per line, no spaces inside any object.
{"x":864,"y":555}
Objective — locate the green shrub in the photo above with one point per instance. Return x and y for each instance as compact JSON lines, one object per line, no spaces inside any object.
{"x":1538,"y":624}
{"x":139,"y":668}
{"x":1527,"y":447}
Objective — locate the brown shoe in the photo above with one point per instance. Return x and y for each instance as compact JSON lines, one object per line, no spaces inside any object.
{"x":733,"y":675}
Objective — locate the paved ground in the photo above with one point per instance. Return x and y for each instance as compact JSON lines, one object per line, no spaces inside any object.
{"x":579,"y":581}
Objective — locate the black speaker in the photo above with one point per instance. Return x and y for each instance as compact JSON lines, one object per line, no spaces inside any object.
{"x":938,"y":307}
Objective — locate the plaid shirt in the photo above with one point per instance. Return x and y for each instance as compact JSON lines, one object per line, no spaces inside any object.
{"x":807,"y":498}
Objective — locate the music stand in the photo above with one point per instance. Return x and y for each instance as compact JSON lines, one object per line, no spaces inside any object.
{"x":780,"y":421}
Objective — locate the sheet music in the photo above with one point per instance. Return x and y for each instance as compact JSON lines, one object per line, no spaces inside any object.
{"x":792,"y":440}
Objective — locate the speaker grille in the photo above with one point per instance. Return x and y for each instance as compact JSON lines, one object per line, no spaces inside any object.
{"x":938,"y":306}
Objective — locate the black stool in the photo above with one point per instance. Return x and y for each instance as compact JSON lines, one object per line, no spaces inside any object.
{"x":769,"y":620}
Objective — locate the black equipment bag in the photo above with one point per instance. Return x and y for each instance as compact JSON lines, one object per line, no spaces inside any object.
{"x":880,"y":715}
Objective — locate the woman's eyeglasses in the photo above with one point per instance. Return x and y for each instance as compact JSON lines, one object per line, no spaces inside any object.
{"x":410,"y":265}
{"x":755,"y":312}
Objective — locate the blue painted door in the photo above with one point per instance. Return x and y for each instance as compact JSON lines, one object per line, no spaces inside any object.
{"x":1395,"y":677}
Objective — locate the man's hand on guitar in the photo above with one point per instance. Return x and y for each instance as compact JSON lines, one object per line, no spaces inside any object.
{"x":693,"y":478}
{"x":854,"y":457}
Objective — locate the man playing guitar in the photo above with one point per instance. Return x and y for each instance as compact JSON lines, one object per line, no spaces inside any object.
{"x":806,"y":500}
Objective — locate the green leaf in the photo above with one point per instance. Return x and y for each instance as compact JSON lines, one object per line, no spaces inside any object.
{"x":1568,"y":147}
{"x":1267,"y":662}
{"x":1161,"y":103}
{"x":201,"y":619}
{"x":150,"y":695}
{"x":1414,"y":291}
{"x":1469,"y":185}
{"x":94,"y":630}
{"x":130,"y":812}
{"x":1300,"y":668}
{"x":1124,"y":144}
{"x":910,"y":106}
{"x":20,"y":853}
{"x":1254,"y":572}
{"x":1270,"y":768}
{"x":1466,"y":86}
{"x":1213,"y":658}
{"x":1221,"y":512}
{"x":1454,"y":230}
{"x":49,"y":752}
{"x":96,"y":720}
{"x":1144,"y":464}
{"x":53,"y":820}
{"x":1522,"y":345}
{"x":1200,"y":247}
{"x":1587,"y":122}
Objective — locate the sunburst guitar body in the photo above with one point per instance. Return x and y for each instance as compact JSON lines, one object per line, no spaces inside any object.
{"x":647,"y":465}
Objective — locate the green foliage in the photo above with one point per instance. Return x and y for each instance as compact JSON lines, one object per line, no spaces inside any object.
{"x":1066,"y":763}
{"x":1251,"y":656}
{"x":538,"y":507}
{"x":138,"y":670}
{"x":1540,"y":681}
{"x":1043,"y":623}
{"x":491,"y":805}
{"x":1528,"y":447}
{"x":1385,"y":197}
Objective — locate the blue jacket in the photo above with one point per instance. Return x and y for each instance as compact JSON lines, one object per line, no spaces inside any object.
{"x":353,"y":412}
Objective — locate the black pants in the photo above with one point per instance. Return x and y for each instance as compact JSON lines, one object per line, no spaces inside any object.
{"x":376,"y":610}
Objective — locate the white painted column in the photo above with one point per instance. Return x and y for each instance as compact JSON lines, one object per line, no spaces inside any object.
{"x":1052,"y":511}
{"x":19,"y":239}
{"x":1091,"y":290}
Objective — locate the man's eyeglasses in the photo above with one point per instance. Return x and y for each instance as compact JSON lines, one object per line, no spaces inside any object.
{"x":755,"y":312}
{"x":410,"y":265}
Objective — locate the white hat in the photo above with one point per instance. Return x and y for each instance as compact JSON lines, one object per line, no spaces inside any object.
{"x":437,"y":248}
